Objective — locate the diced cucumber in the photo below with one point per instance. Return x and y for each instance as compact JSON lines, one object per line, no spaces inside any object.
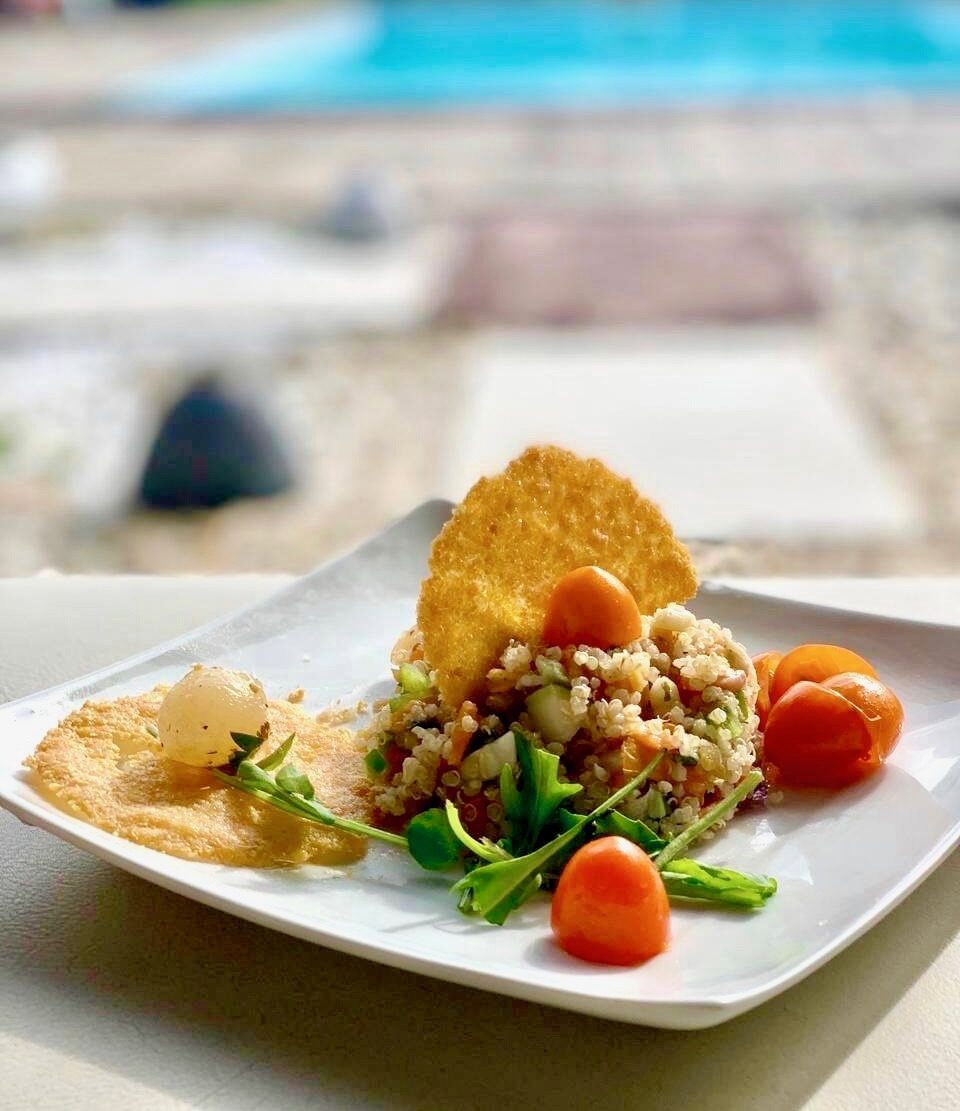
{"x":550,"y":709}
{"x":486,"y":762}
{"x":655,"y":806}
{"x":375,"y":761}
{"x":413,"y":680}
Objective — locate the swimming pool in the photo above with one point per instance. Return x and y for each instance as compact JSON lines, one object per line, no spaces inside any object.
{"x":433,"y":54}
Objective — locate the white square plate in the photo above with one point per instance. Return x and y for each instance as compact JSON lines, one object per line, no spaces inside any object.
{"x":842,"y":860}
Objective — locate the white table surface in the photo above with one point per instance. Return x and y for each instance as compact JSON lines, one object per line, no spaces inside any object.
{"x":114,"y":993}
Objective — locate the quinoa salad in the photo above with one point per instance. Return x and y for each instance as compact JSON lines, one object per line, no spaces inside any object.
{"x":684,"y":686}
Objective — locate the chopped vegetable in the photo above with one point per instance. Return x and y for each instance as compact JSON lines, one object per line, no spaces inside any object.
{"x":815,"y":662}
{"x":414,"y":683}
{"x":375,"y":761}
{"x":550,"y":709}
{"x":552,"y":671}
{"x":610,"y":905}
{"x":591,"y":606}
{"x":486,"y":762}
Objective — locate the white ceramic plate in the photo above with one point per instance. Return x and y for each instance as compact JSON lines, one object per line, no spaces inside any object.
{"x":842,"y":861}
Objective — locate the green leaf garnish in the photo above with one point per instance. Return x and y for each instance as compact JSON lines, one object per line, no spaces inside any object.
{"x":261,"y":784}
{"x":716,"y":813}
{"x":431,"y":841}
{"x":279,"y":754}
{"x":688,"y":879}
{"x":483,"y":847}
{"x":496,"y":889}
{"x":615,"y":824}
{"x":292,"y":780}
{"x":248,"y":743}
{"x":540,"y":792}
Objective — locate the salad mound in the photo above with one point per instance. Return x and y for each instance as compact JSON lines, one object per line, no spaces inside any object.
{"x":683,"y":687}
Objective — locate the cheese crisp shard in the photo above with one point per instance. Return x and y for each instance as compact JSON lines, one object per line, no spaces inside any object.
{"x":514,"y":535}
{"x":103,"y":764}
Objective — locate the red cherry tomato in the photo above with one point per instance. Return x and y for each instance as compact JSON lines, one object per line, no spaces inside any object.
{"x":610,"y":906}
{"x":878,"y":702}
{"x":591,"y":606}
{"x":815,"y":662}
{"x":815,"y":737}
{"x":766,"y":665}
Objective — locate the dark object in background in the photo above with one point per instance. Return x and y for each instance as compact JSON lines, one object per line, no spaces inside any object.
{"x":366,"y":208}
{"x":210,"y":449}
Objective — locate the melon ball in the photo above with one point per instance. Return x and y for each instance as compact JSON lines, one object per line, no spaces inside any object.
{"x":200,"y":712}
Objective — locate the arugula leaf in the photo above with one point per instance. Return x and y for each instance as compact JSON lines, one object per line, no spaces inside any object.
{"x":619,"y":825}
{"x":494,"y":890}
{"x":688,"y":879}
{"x":279,"y":754}
{"x":483,"y":847}
{"x":248,"y":743}
{"x":509,"y":795}
{"x":292,"y":780}
{"x":715,"y":814}
{"x":540,"y":792}
{"x":431,"y":841}
{"x":253,"y":780}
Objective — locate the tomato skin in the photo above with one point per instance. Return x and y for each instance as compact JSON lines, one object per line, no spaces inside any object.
{"x":591,"y":606}
{"x":815,"y":737}
{"x":815,"y":662}
{"x":766,"y":665}
{"x":610,"y":906}
{"x":882,"y":707}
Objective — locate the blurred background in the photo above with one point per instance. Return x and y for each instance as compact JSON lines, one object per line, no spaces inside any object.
{"x":273,"y":273}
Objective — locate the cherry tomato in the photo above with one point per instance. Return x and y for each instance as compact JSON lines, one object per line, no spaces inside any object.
{"x":591,"y":606}
{"x":815,"y":737}
{"x":610,"y":906}
{"x":815,"y":662}
{"x":766,"y":665}
{"x":878,"y":702}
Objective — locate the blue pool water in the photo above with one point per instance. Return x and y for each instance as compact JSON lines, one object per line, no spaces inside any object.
{"x":421,"y":54}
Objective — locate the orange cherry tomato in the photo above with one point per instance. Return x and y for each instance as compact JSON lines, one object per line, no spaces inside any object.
{"x":610,"y":906}
{"x":815,"y":737}
{"x":882,"y":707}
{"x":591,"y":606}
{"x":766,"y":665}
{"x":815,"y":662}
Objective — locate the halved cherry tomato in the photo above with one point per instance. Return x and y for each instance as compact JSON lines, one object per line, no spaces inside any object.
{"x":878,"y":702}
{"x":610,"y":905}
{"x":766,"y":665}
{"x":815,"y":662}
{"x":591,"y":606}
{"x":815,"y":737}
